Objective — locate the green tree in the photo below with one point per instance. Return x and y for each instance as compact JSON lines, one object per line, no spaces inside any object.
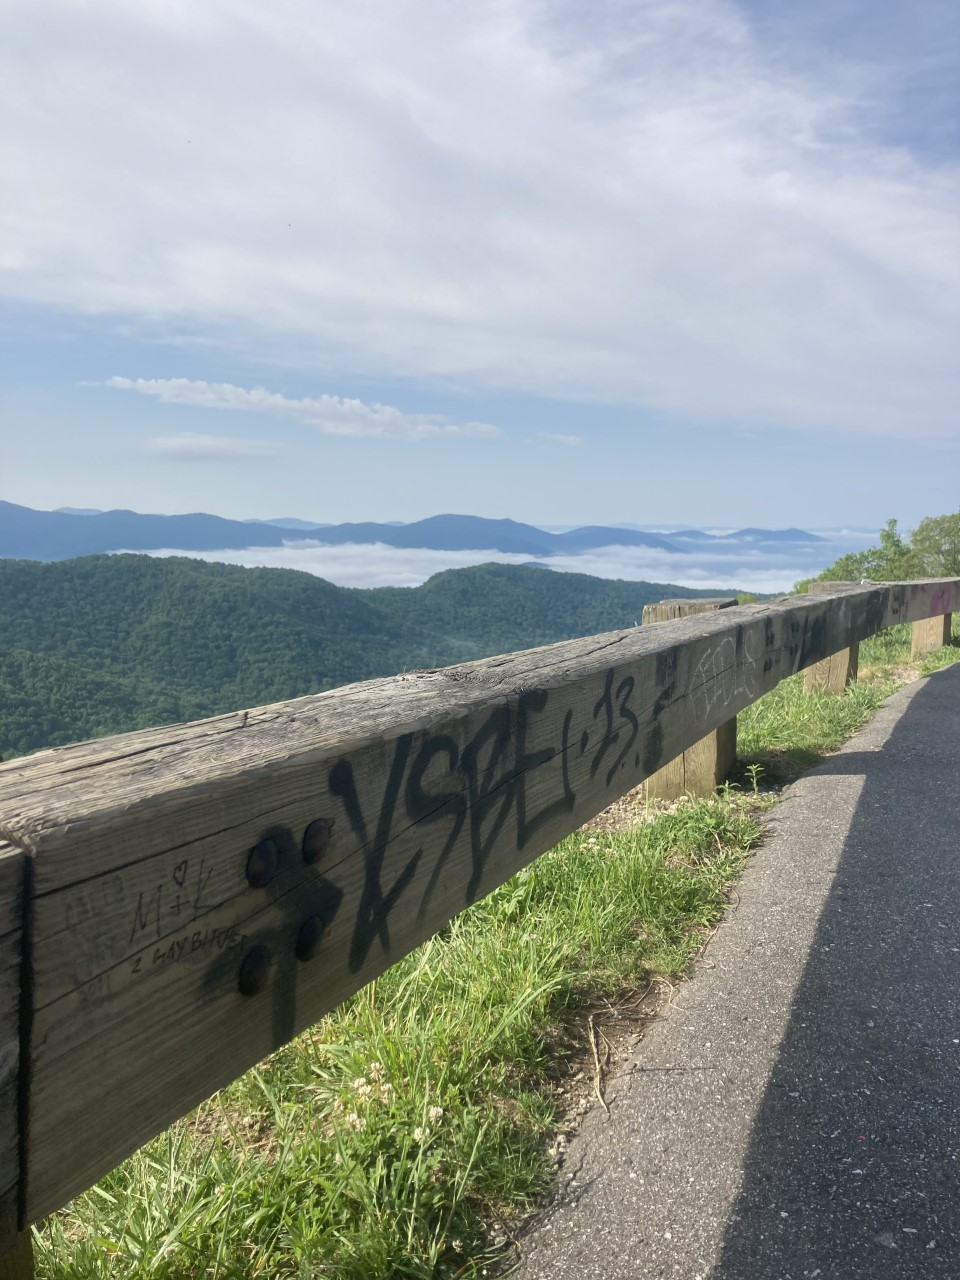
{"x":892,"y":561}
{"x":935,"y":546}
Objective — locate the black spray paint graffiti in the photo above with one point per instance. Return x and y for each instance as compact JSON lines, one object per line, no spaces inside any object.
{"x":375,"y":905}
{"x":483,"y":785}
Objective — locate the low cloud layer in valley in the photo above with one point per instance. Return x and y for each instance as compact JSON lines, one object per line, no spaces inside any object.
{"x":761,"y":569}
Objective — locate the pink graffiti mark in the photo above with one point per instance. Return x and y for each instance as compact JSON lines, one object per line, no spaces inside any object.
{"x":939,"y":602}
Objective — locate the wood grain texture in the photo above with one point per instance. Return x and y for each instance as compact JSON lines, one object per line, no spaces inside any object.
{"x":668,"y":610}
{"x":833,"y":674}
{"x":17,"y":1262}
{"x":12,"y":865}
{"x":840,"y":669}
{"x":700,"y":769}
{"x":411,"y":798}
{"x":669,"y":782}
{"x":711,"y":761}
{"x":930,"y":635}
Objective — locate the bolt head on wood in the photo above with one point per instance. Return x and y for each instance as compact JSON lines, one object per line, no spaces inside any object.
{"x":316,"y":840}
{"x":254,"y":969}
{"x":310,"y":936}
{"x":262,"y":864}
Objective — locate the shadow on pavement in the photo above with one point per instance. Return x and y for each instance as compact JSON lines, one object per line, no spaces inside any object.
{"x":852,"y":1169}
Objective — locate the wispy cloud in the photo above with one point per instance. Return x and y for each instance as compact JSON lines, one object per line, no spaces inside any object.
{"x":650,"y":203}
{"x":330,"y":414}
{"x":557,"y":437}
{"x":191,"y":446}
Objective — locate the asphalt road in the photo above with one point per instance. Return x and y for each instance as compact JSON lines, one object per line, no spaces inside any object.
{"x":797,"y":1114}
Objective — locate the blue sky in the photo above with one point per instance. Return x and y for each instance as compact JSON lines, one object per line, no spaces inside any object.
{"x":663,"y":261}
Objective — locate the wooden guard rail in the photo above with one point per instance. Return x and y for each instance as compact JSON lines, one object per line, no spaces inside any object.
{"x":177,"y":903}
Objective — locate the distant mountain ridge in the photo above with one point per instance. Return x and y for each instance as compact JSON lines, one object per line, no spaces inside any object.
{"x":26,"y":534}
{"x":29,"y":534}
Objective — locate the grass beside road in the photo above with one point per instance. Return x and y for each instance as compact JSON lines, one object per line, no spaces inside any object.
{"x":404,"y":1133}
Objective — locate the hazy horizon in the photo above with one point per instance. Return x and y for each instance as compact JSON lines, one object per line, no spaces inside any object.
{"x":665,"y":528}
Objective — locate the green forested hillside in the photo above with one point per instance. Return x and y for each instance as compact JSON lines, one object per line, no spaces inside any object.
{"x":103,"y":644}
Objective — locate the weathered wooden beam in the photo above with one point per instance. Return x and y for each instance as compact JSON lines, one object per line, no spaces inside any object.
{"x":15,"y":1251}
{"x":700,"y":769}
{"x":930,"y":635}
{"x":840,"y":669}
{"x":203,"y":892}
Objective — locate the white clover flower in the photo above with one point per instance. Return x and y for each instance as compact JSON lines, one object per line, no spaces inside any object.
{"x":420,"y":1133}
{"x":359,"y":1083}
{"x":357,"y":1123}
{"x":386,"y":1089}
{"x":435,"y":1114}
{"x":376,"y":1071}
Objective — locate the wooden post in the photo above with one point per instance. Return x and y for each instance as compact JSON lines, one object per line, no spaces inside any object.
{"x":930,"y":635}
{"x":700,"y":769}
{"x":833,"y":674}
{"x":18,"y":1263}
{"x":16,"y":1251}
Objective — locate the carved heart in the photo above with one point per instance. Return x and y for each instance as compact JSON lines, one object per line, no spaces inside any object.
{"x":180,"y":873}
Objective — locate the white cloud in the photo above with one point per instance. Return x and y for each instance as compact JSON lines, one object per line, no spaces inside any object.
{"x":557,"y":437}
{"x":378,"y":565}
{"x":629,"y":203}
{"x":330,"y":414}
{"x":192,"y":446}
